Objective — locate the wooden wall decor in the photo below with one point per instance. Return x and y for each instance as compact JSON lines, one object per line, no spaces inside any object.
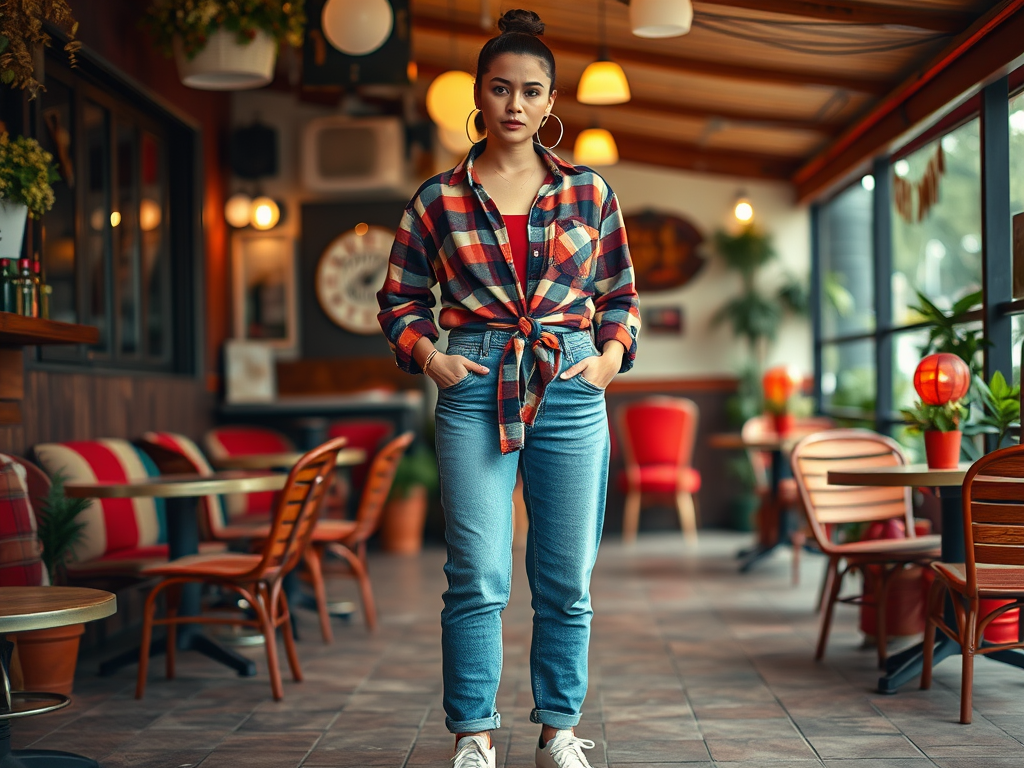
{"x":664,"y":248}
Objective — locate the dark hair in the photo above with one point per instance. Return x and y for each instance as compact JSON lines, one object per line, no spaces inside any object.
{"x":520,"y":34}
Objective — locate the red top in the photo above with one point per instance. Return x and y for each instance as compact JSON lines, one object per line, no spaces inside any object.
{"x":519,"y":242}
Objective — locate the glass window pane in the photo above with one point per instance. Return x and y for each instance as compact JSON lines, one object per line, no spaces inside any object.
{"x":126,"y":238}
{"x":937,"y":248}
{"x":96,"y":233}
{"x":847,"y":268}
{"x":848,"y":376}
{"x":1018,"y":337}
{"x":154,"y":264}
{"x":1017,"y":154}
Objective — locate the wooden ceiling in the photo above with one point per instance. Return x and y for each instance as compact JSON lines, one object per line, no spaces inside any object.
{"x":757,"y":88}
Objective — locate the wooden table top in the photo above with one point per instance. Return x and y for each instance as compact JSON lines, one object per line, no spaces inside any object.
{"x":25,"y":608}
{"x":767,"y":442}
{"x":347,"y":457}
{"x":178,"y":486}
{"x":910,"y":474}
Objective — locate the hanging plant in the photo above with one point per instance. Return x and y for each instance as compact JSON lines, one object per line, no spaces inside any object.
{"x":21,"y":34}
{"x":194,"y":21}
{"x":26,"y":173}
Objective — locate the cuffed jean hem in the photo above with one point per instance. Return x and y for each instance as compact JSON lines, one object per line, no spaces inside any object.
{"x":474,"y":726}
{"x":558,"y":720}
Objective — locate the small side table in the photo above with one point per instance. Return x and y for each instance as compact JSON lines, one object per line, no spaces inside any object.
{"x":27,"y":608}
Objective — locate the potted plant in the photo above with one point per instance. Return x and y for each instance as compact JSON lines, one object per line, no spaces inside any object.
{"x":406,"y":510}
{"x":941,"y":427}
{"x":222,"y":45}
{"x":1001,"y":405}
{"x":26,"y":173}
{"x":22,"y":35}
{"x":48,"y":656}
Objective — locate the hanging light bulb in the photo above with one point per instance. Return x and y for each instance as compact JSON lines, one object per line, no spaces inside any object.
{"x":357,"y":27}
{"x":149,"y":214}
{"x":660,"y":18}
{"x":450,"y":99}
{"x":238,"y":210}
{"x":595,"y":146}
{"x":603,"y":81}
{"x":265,"y":213}
{"x":743,"y":210}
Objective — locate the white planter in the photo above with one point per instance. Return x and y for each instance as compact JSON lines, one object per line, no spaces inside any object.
{"x":224,"y":65}
{"x":12,"y":228}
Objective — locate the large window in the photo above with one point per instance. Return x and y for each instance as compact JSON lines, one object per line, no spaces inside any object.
{"x":119,"y":246}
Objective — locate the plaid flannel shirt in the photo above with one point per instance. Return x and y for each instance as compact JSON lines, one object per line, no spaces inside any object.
{"x":579,"y":275}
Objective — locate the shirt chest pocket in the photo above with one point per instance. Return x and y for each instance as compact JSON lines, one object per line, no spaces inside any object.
{"x":573,"y":245}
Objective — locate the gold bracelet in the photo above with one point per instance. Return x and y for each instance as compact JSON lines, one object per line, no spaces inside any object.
{"x":426,"y":363}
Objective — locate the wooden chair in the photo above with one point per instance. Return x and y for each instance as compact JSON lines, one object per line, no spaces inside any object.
{"x":657,"y":436}
{"x":828,"y":505}
{"x":255,"y":577}
{"x":993,"y":512}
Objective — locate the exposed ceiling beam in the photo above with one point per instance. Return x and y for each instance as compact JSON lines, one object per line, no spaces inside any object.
{"x":853,"y":12}
{"x":991,"y":45}
{"x":671,"y":62}
{"x":638,"y":148}
{"x":674,"y":109}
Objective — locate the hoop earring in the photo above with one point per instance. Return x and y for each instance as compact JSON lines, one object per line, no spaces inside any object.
{"x":561,"y":130}
{"x":468,"y":120}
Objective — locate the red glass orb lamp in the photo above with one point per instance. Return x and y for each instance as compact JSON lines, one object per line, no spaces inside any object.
{"x":942,"y":378}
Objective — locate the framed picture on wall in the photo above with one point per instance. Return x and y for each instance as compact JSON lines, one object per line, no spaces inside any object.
{"x":263,"y":291}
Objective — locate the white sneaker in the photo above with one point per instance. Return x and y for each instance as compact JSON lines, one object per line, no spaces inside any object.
{"x":564,"y":751}
{"x":473,"y":752}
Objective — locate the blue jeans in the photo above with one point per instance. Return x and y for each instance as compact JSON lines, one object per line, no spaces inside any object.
{"x":564,"y":467}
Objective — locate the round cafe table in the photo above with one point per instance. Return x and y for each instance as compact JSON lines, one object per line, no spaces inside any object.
{"x":906,"y":665}
{"x":182,"y":493}
{"x":23,"y":609}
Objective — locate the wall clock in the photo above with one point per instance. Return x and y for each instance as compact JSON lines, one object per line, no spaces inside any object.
{"x":350,"y":272}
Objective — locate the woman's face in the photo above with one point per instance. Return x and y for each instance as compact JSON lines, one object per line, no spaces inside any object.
{"x":514,"y":95}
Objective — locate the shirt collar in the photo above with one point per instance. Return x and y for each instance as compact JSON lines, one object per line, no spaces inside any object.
{"x":464,"y":169}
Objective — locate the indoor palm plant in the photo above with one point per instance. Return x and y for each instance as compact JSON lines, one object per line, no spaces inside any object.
{"x":225,"y":44}
{"x":406,"y":511}
{"x":48,"y":656}
{"x":26,"y":174}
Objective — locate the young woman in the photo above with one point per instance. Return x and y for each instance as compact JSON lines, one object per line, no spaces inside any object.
{"x":537,"y":292}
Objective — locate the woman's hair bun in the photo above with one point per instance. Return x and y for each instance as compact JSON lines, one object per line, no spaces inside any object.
{"x":521,"y":22}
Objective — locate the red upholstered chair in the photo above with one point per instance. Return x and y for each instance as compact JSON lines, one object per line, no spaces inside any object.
{"x":255,"y":577}
{"x":121,"y":535}
{"x":224,"y":442}
{"x":657,"y":436}
{"x":367,"y":434}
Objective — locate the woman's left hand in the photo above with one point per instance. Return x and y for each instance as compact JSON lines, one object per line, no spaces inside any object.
{"x":601,"y":369}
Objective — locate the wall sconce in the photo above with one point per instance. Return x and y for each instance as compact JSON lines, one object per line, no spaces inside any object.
{"x":743,"y":210}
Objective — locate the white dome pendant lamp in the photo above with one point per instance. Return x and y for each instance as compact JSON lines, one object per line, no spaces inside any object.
{"x":660,"y":18}
{"x":357,"y":27}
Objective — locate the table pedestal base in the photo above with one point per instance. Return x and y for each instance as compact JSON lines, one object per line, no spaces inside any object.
{"x":37,"y":758}
{"x":189,"y":639}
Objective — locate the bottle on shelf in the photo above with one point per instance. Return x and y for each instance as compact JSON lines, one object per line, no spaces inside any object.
{"x":8,"y":300}
{"x":42,"y":290}
{"x":25,"y":287}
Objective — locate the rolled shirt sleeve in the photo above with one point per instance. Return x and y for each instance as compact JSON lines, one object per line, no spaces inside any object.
{"x":406,"y":301}
{"x":616,"y":305}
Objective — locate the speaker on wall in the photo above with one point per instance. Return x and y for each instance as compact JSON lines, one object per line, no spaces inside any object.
{"x":325,"y":65}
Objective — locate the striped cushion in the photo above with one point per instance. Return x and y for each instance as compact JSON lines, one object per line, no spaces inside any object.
{"x":112,"y":526}
{"x":21,"y":564}
{"x":210,"y":506}
{"x":223,"y":442}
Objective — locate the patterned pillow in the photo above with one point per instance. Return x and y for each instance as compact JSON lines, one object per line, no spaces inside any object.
{"x":21,"y":564}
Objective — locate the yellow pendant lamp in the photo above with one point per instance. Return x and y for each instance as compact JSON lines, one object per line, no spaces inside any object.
{"x":450,"y":99}
{"x":595,"y":146}
{"x":603,"y":81}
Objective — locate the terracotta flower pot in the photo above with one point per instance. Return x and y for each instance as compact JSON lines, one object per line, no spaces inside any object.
{"x":402,"y":528}
{"x":783,"y":423}
{"x":942,"y":449}
{"x":48,"y":658}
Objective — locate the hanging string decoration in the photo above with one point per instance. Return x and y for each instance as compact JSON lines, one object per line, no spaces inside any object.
{"x":927,"y":189}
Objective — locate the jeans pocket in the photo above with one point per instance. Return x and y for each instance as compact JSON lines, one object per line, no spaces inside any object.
{"x":457,"y":384}
{"x":587,"y":385}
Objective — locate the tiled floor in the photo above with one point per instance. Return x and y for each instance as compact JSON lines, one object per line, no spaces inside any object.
{"x":691,"y":664}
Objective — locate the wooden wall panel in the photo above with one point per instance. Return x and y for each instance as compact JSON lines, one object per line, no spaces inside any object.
{"x":79,"y":406}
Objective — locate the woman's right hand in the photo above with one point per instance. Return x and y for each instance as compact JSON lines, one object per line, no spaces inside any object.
{"x":449,"y":370}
